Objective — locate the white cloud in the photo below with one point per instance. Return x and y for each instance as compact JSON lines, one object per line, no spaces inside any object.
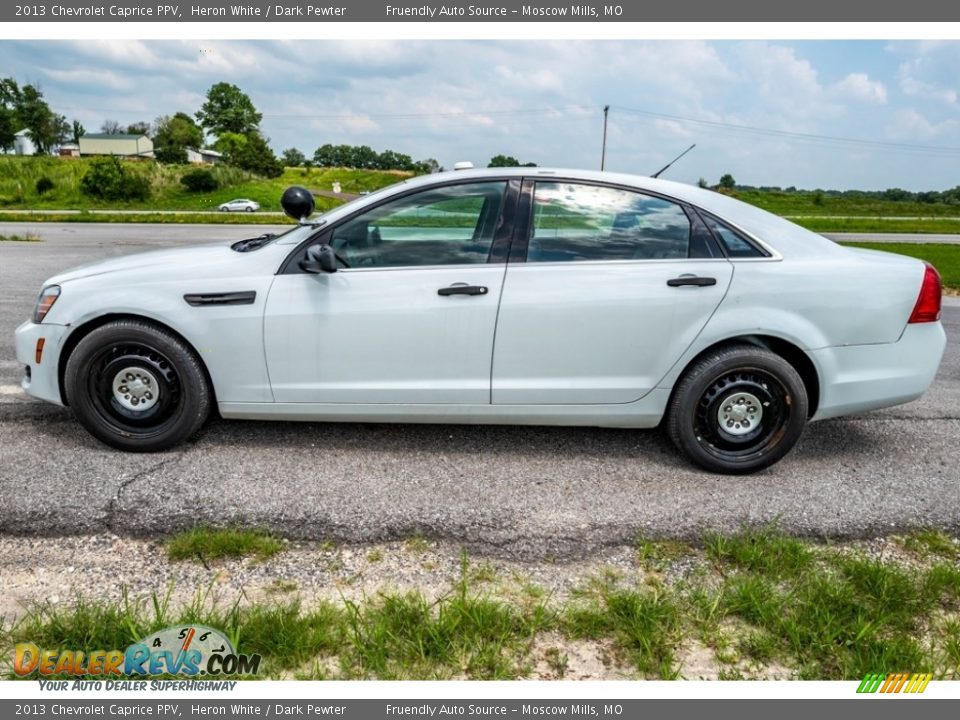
{"x":911,"y":125}
{"x":859,"y":86}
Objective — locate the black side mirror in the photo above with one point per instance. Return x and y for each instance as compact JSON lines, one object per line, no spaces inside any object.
{"x":319,"y":259}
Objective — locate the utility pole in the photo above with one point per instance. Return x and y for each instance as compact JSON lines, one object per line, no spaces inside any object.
{"x":603,"y":153}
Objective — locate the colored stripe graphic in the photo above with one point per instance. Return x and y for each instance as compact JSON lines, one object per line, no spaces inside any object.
{"x":894,"y":683}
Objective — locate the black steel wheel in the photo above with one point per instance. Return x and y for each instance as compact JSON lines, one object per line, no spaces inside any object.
{"x":737,"y":410}
{"x":137,"y":386}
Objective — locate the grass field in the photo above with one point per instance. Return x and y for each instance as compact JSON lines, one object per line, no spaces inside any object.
{"x":945,"y":258}
{"x":817,"y":211}
{"x":756,"y":604}
{"x":19,"y":175}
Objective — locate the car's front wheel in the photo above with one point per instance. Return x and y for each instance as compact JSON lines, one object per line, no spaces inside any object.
{"x":136,"y":386}
{"x":738,"y":409}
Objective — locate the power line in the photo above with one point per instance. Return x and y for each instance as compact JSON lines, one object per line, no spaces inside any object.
{"x":788,"y":133}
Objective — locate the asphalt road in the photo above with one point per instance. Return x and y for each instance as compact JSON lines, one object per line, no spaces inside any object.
{"x":520,"y":492}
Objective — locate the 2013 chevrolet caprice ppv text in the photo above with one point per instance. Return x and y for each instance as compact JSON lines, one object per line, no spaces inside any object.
{"x":520,"y":296}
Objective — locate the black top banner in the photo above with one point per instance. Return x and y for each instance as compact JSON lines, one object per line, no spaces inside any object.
{"x":495,"y":11}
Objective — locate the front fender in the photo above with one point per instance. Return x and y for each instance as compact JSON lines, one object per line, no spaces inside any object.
{"x":228,"y":338}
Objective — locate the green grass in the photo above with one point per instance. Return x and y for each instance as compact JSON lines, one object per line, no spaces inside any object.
{"x":944,"y":257}
{"x":806,"y":202}
{"x":26,"y":237}
{"x":912,"y":226}
{"x":758,"y":598}
{"x":204,"y":543}
{"x":927,"y":542}
{"x":19,"y":175}
{"x":763,"y":551}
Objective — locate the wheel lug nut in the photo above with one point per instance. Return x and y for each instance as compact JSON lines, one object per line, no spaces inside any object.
{"x":129,"y":376}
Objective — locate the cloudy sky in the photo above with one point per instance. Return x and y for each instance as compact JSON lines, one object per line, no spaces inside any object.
{"x":770,"y":113}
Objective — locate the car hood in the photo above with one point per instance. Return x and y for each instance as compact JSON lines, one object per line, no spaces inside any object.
{"x":196,"y":260}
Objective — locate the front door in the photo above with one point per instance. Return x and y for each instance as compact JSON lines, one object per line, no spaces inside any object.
{"x":410,"y":315}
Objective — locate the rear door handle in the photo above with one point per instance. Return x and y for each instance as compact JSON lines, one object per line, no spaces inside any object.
{"x":464,"y":290}
{"x":691,"y":280}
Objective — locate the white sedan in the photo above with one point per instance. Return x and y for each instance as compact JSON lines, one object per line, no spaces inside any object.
{"x":510,"y":296}
{"x":240,"y":205}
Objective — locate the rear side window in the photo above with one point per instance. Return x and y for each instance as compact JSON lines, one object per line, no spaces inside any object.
{"x":736,"y":245}
{"x":573,"y":222}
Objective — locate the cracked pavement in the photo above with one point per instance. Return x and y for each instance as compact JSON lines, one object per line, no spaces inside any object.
{"x":517,"y":492}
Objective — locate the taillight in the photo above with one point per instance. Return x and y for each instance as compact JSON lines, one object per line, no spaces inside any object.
{"x":927,"y":308}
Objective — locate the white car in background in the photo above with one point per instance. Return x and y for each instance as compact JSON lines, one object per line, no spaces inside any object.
{"x":509,"y":296}
{"x":240,"y":205}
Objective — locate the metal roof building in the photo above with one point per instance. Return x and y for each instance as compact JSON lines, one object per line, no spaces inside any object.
{"x":130,"y":146}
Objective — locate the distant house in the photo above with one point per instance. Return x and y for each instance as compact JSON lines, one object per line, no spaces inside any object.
{"x":23,"y":143}
{"x":204,"y":156}
{"x":69,"y":150}
{"x":124,"y":146}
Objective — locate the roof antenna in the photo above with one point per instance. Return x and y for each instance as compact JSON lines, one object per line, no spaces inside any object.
{"x":661,"y":170}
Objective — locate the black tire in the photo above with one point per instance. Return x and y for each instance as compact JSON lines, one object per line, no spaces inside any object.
{"x":249,"y":209}
{"x":135,"y":417}
{"x":763,"y":420}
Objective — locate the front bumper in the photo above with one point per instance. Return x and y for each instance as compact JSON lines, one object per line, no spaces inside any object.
{"x":43,"y":380}
{"x":858,"y":378}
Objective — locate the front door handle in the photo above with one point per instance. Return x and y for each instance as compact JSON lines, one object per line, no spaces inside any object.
{"x":460,"y":289}
{"x":691,"y":280}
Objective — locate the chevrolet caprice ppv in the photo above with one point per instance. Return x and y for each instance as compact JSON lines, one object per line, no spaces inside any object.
{"x":521,"y":296}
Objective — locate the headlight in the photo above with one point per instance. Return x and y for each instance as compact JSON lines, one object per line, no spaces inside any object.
{"x":48,"y":296}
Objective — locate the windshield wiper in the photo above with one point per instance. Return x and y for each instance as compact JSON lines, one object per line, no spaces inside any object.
{"x":253,"y":243}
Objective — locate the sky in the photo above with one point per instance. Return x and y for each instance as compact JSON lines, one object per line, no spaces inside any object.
{"x":821,"y":114}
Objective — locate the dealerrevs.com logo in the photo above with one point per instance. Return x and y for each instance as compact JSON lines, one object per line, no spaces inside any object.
{"x":185,"y":650}
{"x":888,"y":683}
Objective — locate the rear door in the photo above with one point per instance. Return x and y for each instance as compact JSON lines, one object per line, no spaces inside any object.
{"x":609,"y":289}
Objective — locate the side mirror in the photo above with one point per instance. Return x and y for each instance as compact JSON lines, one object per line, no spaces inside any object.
{"x":319,"y":259}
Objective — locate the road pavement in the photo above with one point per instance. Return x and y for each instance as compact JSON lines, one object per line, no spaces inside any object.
{"x":513,"y":491}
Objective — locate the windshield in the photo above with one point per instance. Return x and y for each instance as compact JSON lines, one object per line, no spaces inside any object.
{"x":301,"y":232}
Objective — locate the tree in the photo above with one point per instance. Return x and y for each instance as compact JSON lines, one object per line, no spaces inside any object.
{"x":702,"y":183}
{"x":141,"y":127}
{"x":427,"y":167}
{"x":249,"y":152}
{"x":228,"y":110}
{"x":111,"y":127}
{"x":727,"y":182}
{"x":78,"y":131}
{"x":108,"y":179}
{"x":9,"y":101}
{"x":498,"y":161}
{"x":392,"y":160}
{"x":293,"y":158}
{"x":174,"y":135}
{"x":46,"y":128}
{"x":25,"y":108}
{"x":199,"y":180}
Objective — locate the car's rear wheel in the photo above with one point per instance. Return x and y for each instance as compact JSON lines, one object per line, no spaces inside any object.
{"x":249,"y":209}
{"x":738,"y":409}
{"x":136,"y":386}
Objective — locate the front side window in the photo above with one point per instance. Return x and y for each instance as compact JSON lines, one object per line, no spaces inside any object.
{"x":590,"y":222}
{"x":452,"y":225}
